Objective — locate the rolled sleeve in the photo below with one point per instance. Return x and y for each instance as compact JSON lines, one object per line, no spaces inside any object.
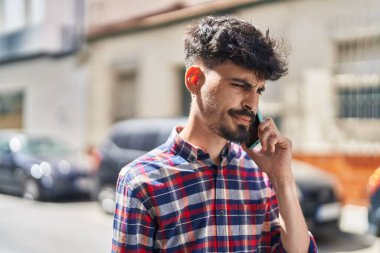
{"x":312,"y":245}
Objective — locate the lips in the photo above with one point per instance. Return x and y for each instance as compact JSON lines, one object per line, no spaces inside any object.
{"x":242,"y":118}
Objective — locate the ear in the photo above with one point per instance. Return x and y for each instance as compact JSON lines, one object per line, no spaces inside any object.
{"x":194,"y":79}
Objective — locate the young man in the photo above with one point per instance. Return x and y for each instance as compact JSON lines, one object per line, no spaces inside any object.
{"x":204,"y":190}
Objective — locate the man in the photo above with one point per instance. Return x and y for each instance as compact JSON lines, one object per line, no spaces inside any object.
{"x":204,"y":190}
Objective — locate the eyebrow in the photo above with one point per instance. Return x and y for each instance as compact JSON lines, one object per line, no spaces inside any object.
{"x":244,"y":82}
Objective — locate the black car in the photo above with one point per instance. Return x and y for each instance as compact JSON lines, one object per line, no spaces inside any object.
{"x":43,"y":168}
{"x":126,"y":141}
{"x":374,"y":203}
{"x":319,"y":194}
{"x":129,"y":139}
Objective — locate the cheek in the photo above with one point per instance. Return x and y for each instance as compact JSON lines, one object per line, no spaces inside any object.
{"x":230,"y":99}
{"x":209,"y":98}
{"x":221,"y":100}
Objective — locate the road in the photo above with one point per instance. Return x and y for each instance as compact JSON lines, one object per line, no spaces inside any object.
{"x":80,"y":226}
{"x":36,"y":227}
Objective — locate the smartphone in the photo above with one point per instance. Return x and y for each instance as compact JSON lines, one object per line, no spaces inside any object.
{"x":253,"y":139}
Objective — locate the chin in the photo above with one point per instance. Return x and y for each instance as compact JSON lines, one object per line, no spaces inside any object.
{"x":237,"y":134}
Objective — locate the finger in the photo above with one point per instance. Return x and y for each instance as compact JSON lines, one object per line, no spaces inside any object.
{"x":263,"y":136}
{"x":273,"y":139}
{"x":268,"y":122}
{"x":268,"y":132}
{"x":265,"y":124}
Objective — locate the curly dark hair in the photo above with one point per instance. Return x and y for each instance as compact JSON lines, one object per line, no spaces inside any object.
{"x":213,"y":40}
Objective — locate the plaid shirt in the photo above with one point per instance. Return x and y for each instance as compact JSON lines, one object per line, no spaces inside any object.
{"x":176,"y":199}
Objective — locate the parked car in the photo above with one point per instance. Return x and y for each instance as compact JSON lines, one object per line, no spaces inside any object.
{"x":43,"y":168}
{"x":374,"y":203}
{"x":127,"y":140}
{"x":319,"y":194}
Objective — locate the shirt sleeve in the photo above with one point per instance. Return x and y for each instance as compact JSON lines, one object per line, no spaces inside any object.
{"x":133,"y":226}
{"x":275,"y":228}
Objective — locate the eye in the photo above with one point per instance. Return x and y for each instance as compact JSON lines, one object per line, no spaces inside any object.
{"x":260,"y":90}
{"x":237,"y":84}
{"x":241,"y":86}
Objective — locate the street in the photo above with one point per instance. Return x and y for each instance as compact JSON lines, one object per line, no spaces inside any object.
{"x":80,"y":226}
{"x":38,"y":227}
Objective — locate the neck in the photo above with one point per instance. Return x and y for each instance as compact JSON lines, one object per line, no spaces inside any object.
{"x":198,"y":134}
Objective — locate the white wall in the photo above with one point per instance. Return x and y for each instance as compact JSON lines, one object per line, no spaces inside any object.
{"x":55,"y":96}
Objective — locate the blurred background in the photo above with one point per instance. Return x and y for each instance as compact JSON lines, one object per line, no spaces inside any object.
{"x":71,"y":69}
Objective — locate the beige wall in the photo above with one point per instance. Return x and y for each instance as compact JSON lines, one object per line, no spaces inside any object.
{"x":311,"y":29}
{"x":156,"y":61}
{"x":101,"y":12}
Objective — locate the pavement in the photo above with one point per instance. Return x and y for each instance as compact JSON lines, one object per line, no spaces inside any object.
{"x":352,"y":235}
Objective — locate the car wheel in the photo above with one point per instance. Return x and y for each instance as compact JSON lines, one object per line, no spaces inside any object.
{"x":31,"y":190}
{"x":106,"y":198}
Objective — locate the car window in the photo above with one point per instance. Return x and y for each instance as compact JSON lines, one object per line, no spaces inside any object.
{"x":46,"y":146}
{"x":142,"y":134}
{"x":4,"y":146}
{"x":136,"y":140}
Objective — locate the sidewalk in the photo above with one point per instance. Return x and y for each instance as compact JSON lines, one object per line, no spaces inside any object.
{"x":354,"y":221}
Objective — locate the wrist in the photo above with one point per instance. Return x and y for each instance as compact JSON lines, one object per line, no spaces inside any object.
{"x":283,"y":183}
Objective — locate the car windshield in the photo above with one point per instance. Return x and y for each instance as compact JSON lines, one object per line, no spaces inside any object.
{"x":46,"y":146}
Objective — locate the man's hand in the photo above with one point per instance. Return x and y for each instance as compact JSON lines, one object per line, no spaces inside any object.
{"x":275,"y":160}
{"x":276,"y":154}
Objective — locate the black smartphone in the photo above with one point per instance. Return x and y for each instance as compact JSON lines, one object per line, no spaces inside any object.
{"x":253,"y":139}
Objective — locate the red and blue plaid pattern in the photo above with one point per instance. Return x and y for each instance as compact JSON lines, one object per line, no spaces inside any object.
{"x":176,"y":199}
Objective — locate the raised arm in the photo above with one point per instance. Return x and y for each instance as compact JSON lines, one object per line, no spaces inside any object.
{"x":275,"y":160}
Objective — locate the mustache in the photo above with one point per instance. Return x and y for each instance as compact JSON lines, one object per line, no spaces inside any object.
{"x":244,"y":112}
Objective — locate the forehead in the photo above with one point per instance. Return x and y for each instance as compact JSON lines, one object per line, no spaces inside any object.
{"x":230,"y":70}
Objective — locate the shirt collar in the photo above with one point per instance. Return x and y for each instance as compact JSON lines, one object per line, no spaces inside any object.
{"x":192,"y":153}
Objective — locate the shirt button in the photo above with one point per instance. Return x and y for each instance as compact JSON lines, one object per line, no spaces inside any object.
{"x":221,"y":213}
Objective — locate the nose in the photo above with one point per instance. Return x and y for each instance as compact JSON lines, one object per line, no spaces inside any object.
{"x":247,"y":107}
{"x":251,"y":101}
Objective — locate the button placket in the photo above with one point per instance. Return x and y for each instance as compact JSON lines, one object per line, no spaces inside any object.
{"x":221,"y":212}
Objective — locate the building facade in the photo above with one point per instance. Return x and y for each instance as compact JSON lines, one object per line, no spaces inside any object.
{"x":328,"y":104}
{"x":43,"y":81}
{"x":130,"y":64}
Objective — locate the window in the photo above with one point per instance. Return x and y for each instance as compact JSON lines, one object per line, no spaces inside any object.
{"x":18,"y":14}
{"x":185,"y":94}
{"x":357,"y":78}
{"x":359,"y":102}
{"x":11,"y":104}
{"x":14,"y":15}
{"x":124,"y":102}
{"x":37,"y":11}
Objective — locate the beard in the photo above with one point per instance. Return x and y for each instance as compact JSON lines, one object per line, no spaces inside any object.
{"x":221,"y":125}
{"x":238,"y":134}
